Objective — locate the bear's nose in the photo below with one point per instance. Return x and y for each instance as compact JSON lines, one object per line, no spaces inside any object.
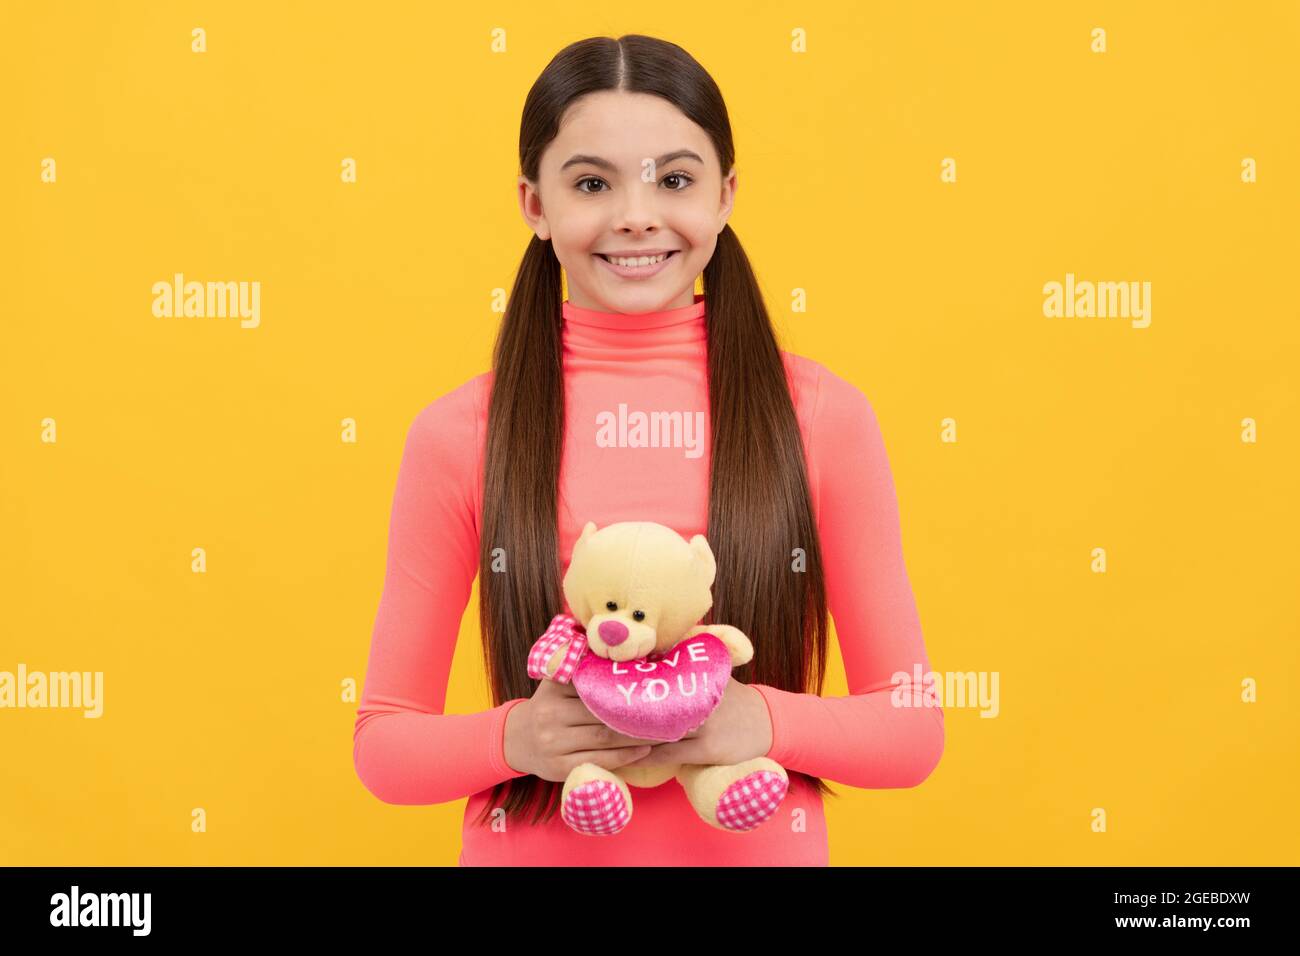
{"x":613,"y":633}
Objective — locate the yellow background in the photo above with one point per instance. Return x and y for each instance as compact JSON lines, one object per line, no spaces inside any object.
{"x":222,"y":690}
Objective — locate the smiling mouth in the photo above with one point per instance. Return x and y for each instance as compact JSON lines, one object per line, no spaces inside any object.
{"x":634,"y":261}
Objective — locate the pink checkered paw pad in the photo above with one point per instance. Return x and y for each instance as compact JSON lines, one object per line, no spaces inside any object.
{"x":597,"y":807}
{"x":751,"y":800}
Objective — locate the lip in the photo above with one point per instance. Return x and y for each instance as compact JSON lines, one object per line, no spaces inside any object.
{"x":638,"y":272}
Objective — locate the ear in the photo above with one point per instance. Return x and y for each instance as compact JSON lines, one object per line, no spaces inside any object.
{"x":587,"y":531}
{"x":704,"y":556}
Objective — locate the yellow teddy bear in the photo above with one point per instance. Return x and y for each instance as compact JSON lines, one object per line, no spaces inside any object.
{"x":639,"y":660}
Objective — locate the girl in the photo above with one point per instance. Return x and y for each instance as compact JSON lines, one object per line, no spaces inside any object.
{"x":627,"y":183}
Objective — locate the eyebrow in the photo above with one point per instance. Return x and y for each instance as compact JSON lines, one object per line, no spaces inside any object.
{"x":610,"y":167}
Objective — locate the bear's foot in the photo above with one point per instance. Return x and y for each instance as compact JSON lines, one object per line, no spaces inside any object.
{"x":751,"y":800}
{"x":595,"y":801}
{"x":736,"y":797}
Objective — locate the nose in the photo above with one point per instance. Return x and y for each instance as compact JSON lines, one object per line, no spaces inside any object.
{"x":638,"y":214}
{"x":613,"y":633}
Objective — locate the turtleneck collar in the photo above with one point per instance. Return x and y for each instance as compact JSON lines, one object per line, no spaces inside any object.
{"x":595,"y":327}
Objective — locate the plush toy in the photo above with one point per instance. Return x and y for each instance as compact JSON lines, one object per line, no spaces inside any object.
{"x":635,"y":654}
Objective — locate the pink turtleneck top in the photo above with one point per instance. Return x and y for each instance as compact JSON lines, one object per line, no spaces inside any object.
{"x":408,"y":751}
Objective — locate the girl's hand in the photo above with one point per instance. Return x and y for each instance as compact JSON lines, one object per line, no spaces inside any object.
{"x":552,"y":732}
{"x":739,"y":729}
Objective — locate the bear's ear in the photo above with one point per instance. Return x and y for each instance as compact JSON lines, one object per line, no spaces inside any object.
{"x":587,"y":531}
{"x":704,"y":555}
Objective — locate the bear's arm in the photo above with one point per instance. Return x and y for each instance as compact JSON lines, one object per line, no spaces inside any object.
{"x":740,"y":646}
{"x":553,"y":663}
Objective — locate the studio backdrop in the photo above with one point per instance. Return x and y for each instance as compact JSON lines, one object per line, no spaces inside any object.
{"x":1055,"y":245}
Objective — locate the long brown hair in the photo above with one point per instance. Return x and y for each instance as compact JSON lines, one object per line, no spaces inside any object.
{"x":760,"y":509}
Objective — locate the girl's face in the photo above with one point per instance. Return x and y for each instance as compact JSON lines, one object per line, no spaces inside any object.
{"x":629,"y":174}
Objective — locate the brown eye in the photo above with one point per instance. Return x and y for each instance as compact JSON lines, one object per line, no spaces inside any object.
{"x":611,"y":605}
{"x":638,"y":615}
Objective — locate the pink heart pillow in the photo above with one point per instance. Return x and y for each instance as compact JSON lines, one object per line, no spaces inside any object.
{"x":662,"y":696}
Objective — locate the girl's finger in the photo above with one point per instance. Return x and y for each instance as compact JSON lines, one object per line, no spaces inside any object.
{"x":610,"y":759}
{"x":603,"y":738}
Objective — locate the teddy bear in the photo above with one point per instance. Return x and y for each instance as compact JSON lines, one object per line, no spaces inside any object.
{"x":638,"y":658}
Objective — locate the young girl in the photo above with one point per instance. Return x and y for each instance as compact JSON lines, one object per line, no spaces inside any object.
{"x":627,"y":183}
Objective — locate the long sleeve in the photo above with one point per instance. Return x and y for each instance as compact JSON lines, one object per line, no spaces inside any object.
{"x":864,"y":739}
{"x":405,"y":749}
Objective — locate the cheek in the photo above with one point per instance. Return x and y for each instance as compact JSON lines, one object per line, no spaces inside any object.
{"x":573,"y":238}
{"x":699,"y":229}
{"x":701,"y":252}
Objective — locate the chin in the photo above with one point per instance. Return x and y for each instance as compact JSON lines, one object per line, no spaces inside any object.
{"x":622,"y":654}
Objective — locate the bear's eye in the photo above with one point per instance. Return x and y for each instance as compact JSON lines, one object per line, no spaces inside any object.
{"x":638,"y":615}
{"x":611,"y":605}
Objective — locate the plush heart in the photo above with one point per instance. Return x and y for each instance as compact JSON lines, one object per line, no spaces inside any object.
{"x":662,"y":696}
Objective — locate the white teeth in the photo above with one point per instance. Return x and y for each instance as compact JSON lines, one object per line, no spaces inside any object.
{"x":638,"y":261}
